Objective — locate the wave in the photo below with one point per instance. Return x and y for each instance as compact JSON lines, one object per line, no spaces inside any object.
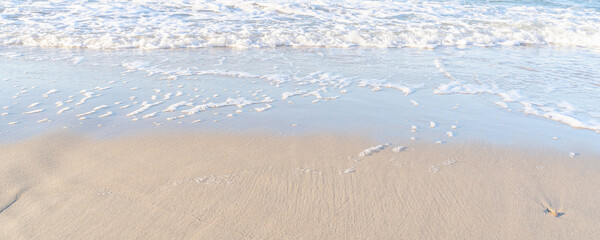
{"x":107,"y":24}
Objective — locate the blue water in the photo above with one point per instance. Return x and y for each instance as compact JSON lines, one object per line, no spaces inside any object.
{"x":503,"y":71}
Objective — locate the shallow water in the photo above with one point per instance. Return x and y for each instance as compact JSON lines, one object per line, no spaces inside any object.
{"x":501,"y":71}
{"x":504,"y":94}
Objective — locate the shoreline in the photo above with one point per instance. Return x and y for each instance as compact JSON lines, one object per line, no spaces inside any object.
{"x":298,"y":120}
{"x":251,"y":185}
{"x":315,"y":90}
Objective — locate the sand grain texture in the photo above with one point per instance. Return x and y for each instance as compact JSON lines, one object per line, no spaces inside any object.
{"x":226,"y":186}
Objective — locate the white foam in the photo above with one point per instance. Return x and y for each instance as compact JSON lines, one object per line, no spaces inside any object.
{"x":63,"y":109}
{"x":318,"y":95}
{"x":77,"y":60}
{"x":438,"y":65}
{"x":144,"y":106}
{"x":462,"y":88}
{"x":34,"y":111}
{"x":501,"y":104}
{"x":92,"y":111}
{"x":174,"y":106}
{"x":398,"y":149}
{"x":33,"y":105}
{"x":238,"y":102}
{"x":87,"y":95}
{"x":572,"y":154}
{"x":108,"y":113}
{"x":513,"y":96}
{"x":371,"y":150}
{"x":287,"y":95}
{"x":376,"y":85}
{"x":150,"y":115}
{"x":101,"y":88}
{"x":561,"y":111}
{"x":551,"y":114}
{"x":295,"y":23}
{"x":262,"y":109}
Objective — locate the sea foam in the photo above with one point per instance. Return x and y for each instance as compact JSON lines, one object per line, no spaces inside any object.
{"x":298,"y":23}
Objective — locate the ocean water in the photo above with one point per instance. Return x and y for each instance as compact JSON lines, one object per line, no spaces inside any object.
{"x":342,"y":24}
{"x":502,"y":70}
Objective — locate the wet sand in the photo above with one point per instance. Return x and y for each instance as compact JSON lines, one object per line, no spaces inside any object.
{"x":259,"y":186}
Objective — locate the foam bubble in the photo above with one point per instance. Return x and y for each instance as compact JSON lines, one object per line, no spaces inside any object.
{"x":299,"y":23}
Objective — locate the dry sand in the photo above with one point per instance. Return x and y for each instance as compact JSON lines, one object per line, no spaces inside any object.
{"x":225,"y":186}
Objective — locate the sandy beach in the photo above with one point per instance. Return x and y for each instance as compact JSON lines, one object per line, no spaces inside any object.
{"x":235,"y":119}
{"x":319,"y":186}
